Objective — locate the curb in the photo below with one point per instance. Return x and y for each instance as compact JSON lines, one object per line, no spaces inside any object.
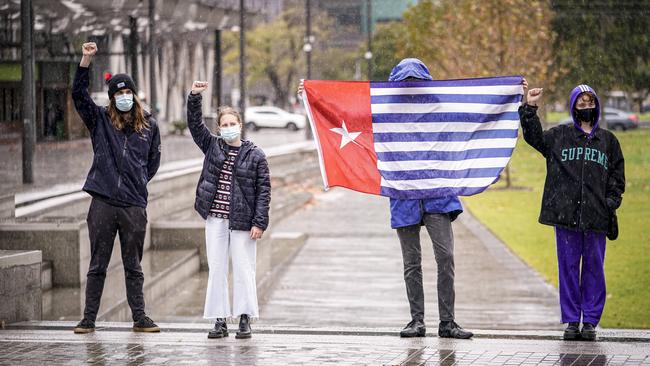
{"x":604,"y":335}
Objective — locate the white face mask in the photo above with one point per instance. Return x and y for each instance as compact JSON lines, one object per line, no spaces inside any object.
{"x":230,"y":134}
{"x":124,"y":102}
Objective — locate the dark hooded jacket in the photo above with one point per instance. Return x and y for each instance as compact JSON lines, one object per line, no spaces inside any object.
{"x":250,"y":194}
{"x":123,"y":161}
{"x":585,"y":177}
{"x":410,"y":212}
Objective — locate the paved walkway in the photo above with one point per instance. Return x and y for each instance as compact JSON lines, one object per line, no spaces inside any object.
{"x":115,"y":346}
{"x":349,"y":273}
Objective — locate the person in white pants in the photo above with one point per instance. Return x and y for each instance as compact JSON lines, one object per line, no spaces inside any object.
{"x":233,"y":196}
{"x":220,"y":241}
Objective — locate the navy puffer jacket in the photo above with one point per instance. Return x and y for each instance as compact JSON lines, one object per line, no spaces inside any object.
{"x":250,"y":195}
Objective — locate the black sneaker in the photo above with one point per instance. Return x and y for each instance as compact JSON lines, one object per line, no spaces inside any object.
{"x":244,"y":330}
{"x":451,"y":329}
{"x":588,"y":332}
{"x":145,"y":324}
{"x":220,"y":329}
{"x":572,"y":331}
{"x":415,"y":328}
{"x":85,"y":326}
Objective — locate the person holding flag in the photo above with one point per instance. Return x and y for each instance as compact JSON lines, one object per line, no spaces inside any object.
{"x":436,"y":215}
{"x":399,"y":146}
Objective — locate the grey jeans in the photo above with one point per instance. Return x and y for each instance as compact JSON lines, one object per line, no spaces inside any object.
{"x":440,"y":232}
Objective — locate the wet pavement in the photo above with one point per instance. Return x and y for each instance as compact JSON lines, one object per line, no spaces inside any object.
{"x":178,"y":347}
{"x":349,"y":273}
{"x":342,"y":301}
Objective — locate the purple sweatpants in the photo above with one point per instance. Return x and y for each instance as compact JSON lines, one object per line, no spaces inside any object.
{"x":581,"y":292}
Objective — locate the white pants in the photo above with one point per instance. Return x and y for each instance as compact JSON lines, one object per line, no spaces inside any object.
{"x":220,"y":241}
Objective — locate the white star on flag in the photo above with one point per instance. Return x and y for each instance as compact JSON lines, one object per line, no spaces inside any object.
{"x":346,"y":137}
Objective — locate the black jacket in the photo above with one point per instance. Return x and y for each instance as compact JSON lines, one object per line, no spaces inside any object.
{"x":585,"y":177}
{"x":124,"y":161}
{"x":250,"y":194}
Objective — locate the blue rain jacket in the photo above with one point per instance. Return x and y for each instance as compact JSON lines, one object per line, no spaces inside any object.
{"x":410,"y":212}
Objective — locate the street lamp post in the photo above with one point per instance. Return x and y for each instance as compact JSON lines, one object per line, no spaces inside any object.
{"x":368,"y":54}
{"x":242,"y":64}
{"x":217,"y":68}
{"x":153,"y":98}
{"x":133,"y":48}
{"x":28,"y":93}
{"x":308,"y":48}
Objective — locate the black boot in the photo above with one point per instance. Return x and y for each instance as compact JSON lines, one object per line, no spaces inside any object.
{"x":244,"y":327}
{"x":572,"y":331}
{"x":415,"y":328}
{"x":450,"y":329}
{"x":145,"y":324}
{"x":588,"y":332}
{"x":220,"y":329}
{"x":85,"y":326}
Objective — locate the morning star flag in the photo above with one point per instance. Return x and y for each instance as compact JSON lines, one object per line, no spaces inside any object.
{"x":415,"y":139}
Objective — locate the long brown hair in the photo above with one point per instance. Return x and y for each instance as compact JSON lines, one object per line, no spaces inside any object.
{"x":135,"y":116}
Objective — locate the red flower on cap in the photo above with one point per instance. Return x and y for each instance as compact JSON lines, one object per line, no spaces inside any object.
{"x":107,"y":76}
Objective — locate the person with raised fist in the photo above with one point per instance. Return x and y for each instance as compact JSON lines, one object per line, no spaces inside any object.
{"x":233,"y":197}
{"x":585,"y":181}
{"x":126,"y":156}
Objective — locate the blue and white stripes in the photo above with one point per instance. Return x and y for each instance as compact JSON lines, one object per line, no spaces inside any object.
{"x":442,"y":138}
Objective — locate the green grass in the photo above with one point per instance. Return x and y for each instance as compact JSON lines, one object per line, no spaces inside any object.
{"x":555,"y":117}
{"x":644,"y":117}
{"x":512,"y":215}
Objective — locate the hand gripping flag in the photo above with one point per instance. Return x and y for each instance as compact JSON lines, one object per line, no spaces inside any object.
{"x":415,"y":139}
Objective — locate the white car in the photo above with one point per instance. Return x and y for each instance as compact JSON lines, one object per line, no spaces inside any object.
{"x":273,"y":117}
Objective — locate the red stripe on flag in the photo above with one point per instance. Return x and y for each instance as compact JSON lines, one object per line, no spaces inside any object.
{"x":348,"y":152}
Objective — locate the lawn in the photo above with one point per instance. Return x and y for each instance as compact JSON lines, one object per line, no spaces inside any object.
{"x":512,"y":215}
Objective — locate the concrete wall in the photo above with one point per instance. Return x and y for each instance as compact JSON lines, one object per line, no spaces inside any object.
{"x":20,"y":286}
{"x":58,"y":243}
{"x":7,"y":206}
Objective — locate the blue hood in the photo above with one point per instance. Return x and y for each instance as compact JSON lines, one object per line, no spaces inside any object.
{"x":410,"y":67}
{"x":572,"y":103}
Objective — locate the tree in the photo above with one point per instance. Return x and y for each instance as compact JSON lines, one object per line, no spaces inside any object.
{"x":275,"y":53}
{"x":603,"y":43}
{"x":385,"y":42}
{"x":466,"y":38}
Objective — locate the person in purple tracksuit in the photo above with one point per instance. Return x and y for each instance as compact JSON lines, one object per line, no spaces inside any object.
{"x":584,"y":185}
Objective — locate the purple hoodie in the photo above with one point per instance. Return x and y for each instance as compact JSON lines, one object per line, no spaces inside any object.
{"x":572,"y":103}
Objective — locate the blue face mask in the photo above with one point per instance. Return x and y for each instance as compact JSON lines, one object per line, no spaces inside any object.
{"x":124,"y":102}
{"x":230,"y":134}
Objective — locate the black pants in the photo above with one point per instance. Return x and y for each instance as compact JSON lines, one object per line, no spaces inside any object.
{"x":104,"y":222}
{"x":440,"y":232}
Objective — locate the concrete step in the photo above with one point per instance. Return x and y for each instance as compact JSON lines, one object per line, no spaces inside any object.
{"x":164,"y":271}
{"x":274,"y":255}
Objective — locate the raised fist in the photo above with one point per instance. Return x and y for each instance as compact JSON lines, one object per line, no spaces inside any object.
{"x":89,"y":49}
{"x":199,"y":86}
{"x":534,"y":95}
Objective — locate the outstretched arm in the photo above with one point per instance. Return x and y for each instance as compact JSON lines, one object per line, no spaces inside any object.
{"x":530,"y":124}
{"x":84,"y":105}
{"x":200,"y":133}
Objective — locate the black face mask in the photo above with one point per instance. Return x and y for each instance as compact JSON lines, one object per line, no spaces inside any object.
{"x":586,"y":115}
